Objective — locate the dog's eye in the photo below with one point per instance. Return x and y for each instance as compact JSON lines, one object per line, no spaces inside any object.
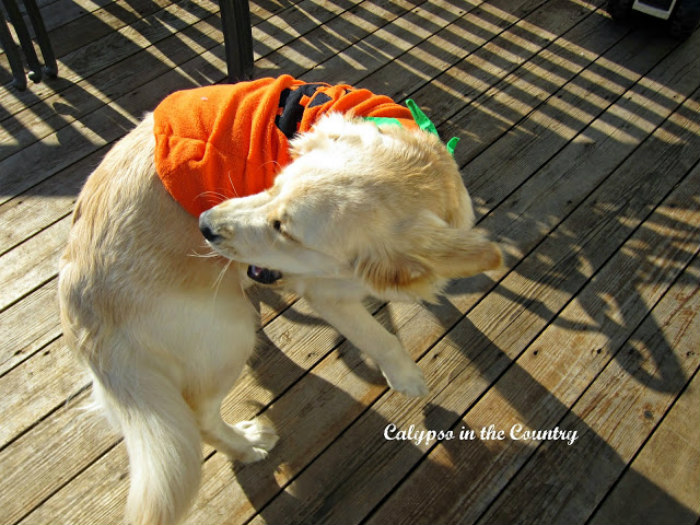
{"x":277,"y":225}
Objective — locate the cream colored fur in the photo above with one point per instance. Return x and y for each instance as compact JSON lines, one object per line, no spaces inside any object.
{"x":360,"y":211}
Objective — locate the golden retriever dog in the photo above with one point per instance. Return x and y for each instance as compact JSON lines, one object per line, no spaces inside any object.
{"x":362,"y":209}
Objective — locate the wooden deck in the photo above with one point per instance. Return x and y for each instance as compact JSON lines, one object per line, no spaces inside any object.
{"x":581,"y":149}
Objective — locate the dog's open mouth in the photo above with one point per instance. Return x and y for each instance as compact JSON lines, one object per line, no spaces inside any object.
{"x":263,"y":275}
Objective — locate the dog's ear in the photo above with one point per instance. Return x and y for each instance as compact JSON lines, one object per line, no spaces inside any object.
{"x":457,"y":253}
{"x":427,"y":258}
{"x":384,"y":271}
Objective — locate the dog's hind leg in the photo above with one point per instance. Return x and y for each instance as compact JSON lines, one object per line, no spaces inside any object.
{"x":162,"y":441}
{"x":215,"y":336}
{"x":247,"y":441}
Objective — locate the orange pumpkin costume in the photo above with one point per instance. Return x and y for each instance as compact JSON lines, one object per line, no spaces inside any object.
{"x":225,"y":141}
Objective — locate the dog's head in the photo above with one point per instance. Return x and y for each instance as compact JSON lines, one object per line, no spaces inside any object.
{"x":385,"y":205}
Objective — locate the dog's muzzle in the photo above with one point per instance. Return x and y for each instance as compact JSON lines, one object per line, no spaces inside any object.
{"x":257,"y":274}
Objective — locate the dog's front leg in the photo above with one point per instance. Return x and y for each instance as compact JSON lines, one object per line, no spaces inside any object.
{"x":354,"y":322}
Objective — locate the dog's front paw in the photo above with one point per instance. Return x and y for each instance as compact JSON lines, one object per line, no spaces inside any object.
{"x":262,"y":439}
{"x":408,"y":380}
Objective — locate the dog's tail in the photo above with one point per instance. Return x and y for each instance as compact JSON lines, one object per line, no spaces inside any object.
{"x":163,"y":443}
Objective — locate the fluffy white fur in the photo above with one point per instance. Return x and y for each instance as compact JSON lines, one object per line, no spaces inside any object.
{"x":361,"y":210}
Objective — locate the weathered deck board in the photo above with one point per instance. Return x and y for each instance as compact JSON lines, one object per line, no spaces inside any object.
{"x":36,"y":465}
{"x":36,"y":314}
{"x":663,"y":479}
{"x":64,"y":19}
{"x":610,"y":428}
{"x":580,"y":147}
{"x":513,"y":129}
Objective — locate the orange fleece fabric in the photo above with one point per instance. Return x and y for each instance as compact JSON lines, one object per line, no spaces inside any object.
{"x":218,"y":142}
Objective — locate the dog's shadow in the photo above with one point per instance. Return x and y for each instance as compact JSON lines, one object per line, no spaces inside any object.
{"x":327,"y":425}
{"x":267,"y":299}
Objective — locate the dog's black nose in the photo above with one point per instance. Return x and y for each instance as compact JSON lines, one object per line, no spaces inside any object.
{"x":209,"y":234}
{"x":206,"y":229}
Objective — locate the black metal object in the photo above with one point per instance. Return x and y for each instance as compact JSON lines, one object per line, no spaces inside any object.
{"x":680,"y":17}
{"x":12,"y":52}
{"x":684,"y":19}
{"x":238,"y":39}
{"x":36,"y":71}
